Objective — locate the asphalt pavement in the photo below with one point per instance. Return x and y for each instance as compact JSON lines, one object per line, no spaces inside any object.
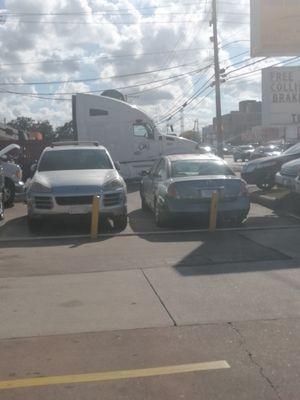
{"x":149,"y":314}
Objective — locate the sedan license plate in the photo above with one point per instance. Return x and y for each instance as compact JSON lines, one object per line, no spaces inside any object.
{"x":75,"y":210}
{"x":207,"y":193}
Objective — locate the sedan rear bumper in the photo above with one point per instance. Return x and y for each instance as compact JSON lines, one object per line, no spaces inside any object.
{"x":235,"y":208}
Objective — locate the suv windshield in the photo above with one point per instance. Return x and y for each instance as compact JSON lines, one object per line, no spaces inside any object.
{"x":199,"y":168}
{"x":79,"y":159}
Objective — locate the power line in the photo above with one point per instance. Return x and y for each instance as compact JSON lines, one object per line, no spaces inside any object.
{"x":120,"y":88}
{"x":94,"y":79}
{"x":104,"y":57}
{"x":260,"y":69}
{"x":105,"y":11}
{"x":109,"y":22}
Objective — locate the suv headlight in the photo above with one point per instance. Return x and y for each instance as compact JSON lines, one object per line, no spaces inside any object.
{"x":114,"y":184}
{"x":40,"y":188}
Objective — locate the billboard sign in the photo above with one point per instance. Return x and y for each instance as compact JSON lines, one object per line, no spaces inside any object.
{"x":275,"y":28}
{"x":281,"y":96}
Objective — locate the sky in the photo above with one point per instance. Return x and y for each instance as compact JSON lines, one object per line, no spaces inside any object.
{"x":157,"y":52}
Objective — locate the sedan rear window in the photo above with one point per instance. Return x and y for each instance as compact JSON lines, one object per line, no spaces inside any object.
{"x":66,"y":160}
{"x":199,"y":168}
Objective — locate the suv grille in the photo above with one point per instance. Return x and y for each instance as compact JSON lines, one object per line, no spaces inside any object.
{"x":44,"y":203}
{"x":112,"y":199}
{"x":74,"y":200}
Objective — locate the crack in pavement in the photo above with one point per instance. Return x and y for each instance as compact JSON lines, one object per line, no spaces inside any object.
{"x":159,"y":298}
{"x":253,"y":361}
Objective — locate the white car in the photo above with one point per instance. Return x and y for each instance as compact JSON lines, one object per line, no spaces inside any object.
{"x":12,"y":173}
{"x":288,"y":173}
{"x":66,"y":179}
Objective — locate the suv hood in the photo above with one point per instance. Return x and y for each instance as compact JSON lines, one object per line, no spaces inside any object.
{"x":78,"y":178}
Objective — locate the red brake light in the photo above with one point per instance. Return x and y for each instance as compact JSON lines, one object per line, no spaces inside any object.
{"x":172,"y":192}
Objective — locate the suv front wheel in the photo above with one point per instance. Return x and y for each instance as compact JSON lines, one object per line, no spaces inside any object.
{"x":120,"y":222}
{"x":8,"y":192}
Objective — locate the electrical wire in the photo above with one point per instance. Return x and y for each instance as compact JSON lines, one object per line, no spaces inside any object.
{"x":95,"y":79}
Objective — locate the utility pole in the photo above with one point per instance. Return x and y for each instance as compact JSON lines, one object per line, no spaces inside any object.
{"x":182,"y":120}
{"x":217,"y":79}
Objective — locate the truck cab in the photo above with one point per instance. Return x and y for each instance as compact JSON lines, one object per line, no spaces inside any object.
{"x":126,"y":131}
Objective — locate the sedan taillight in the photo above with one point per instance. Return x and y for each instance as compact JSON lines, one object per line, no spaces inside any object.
{"x":172,"y":192}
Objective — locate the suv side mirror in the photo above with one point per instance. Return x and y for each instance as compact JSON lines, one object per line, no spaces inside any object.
{"x":117,"y":165}
{"x":4,"y":158}
{"x":33,"y":167}
{"x":144,"y":173}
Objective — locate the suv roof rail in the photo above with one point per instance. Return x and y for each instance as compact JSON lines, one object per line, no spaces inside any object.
{"x":75,"y":143}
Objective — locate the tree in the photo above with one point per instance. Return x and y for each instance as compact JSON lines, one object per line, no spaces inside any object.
{"x":45,"y":128}
{"x":27,"y":125}
{"x":65,"y":132}
{"x":23,"y":124}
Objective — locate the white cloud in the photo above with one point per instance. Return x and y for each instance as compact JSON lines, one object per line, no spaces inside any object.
{"x":95,"y":43}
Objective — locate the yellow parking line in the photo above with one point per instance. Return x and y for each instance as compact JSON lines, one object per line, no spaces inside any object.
{"x":113,"y":375}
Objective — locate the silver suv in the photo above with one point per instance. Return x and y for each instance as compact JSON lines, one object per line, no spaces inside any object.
{"x":67,"y":177}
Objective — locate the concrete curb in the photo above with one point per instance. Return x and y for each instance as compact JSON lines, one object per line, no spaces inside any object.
{"x":143,"y":234}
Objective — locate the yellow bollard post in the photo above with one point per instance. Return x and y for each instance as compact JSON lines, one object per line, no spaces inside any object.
{"x":95,"y":217}
{"x":213,"y":212}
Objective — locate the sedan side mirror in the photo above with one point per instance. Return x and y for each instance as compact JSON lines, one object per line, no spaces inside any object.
{"x":117,"y":165}
{"x":144,"y":173}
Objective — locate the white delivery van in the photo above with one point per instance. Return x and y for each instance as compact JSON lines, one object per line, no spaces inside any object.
{"x":127,"y":132}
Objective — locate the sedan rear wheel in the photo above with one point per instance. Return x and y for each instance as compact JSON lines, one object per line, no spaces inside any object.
{"x":161,"y":217}
{"x":145,"y":206}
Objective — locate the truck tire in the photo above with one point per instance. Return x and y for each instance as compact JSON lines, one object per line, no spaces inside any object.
{"x":9,"y":192}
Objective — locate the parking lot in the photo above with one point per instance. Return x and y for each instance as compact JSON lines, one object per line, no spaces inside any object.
{"x":150,"y":313}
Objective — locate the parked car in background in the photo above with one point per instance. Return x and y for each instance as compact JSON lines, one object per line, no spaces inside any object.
{"x":182,"y":186}
{"x":66,"y":179}
{"x":243,"y":153}
{"x":266,"y":151}
{"x":288,"y":173}
{"x":297,"y":185}
{"x":1,"y":191}
{"x":12,"y":173}
{"x":262,"y":172}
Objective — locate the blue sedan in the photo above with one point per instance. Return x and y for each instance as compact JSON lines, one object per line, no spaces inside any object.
{"x":182,"y":186}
